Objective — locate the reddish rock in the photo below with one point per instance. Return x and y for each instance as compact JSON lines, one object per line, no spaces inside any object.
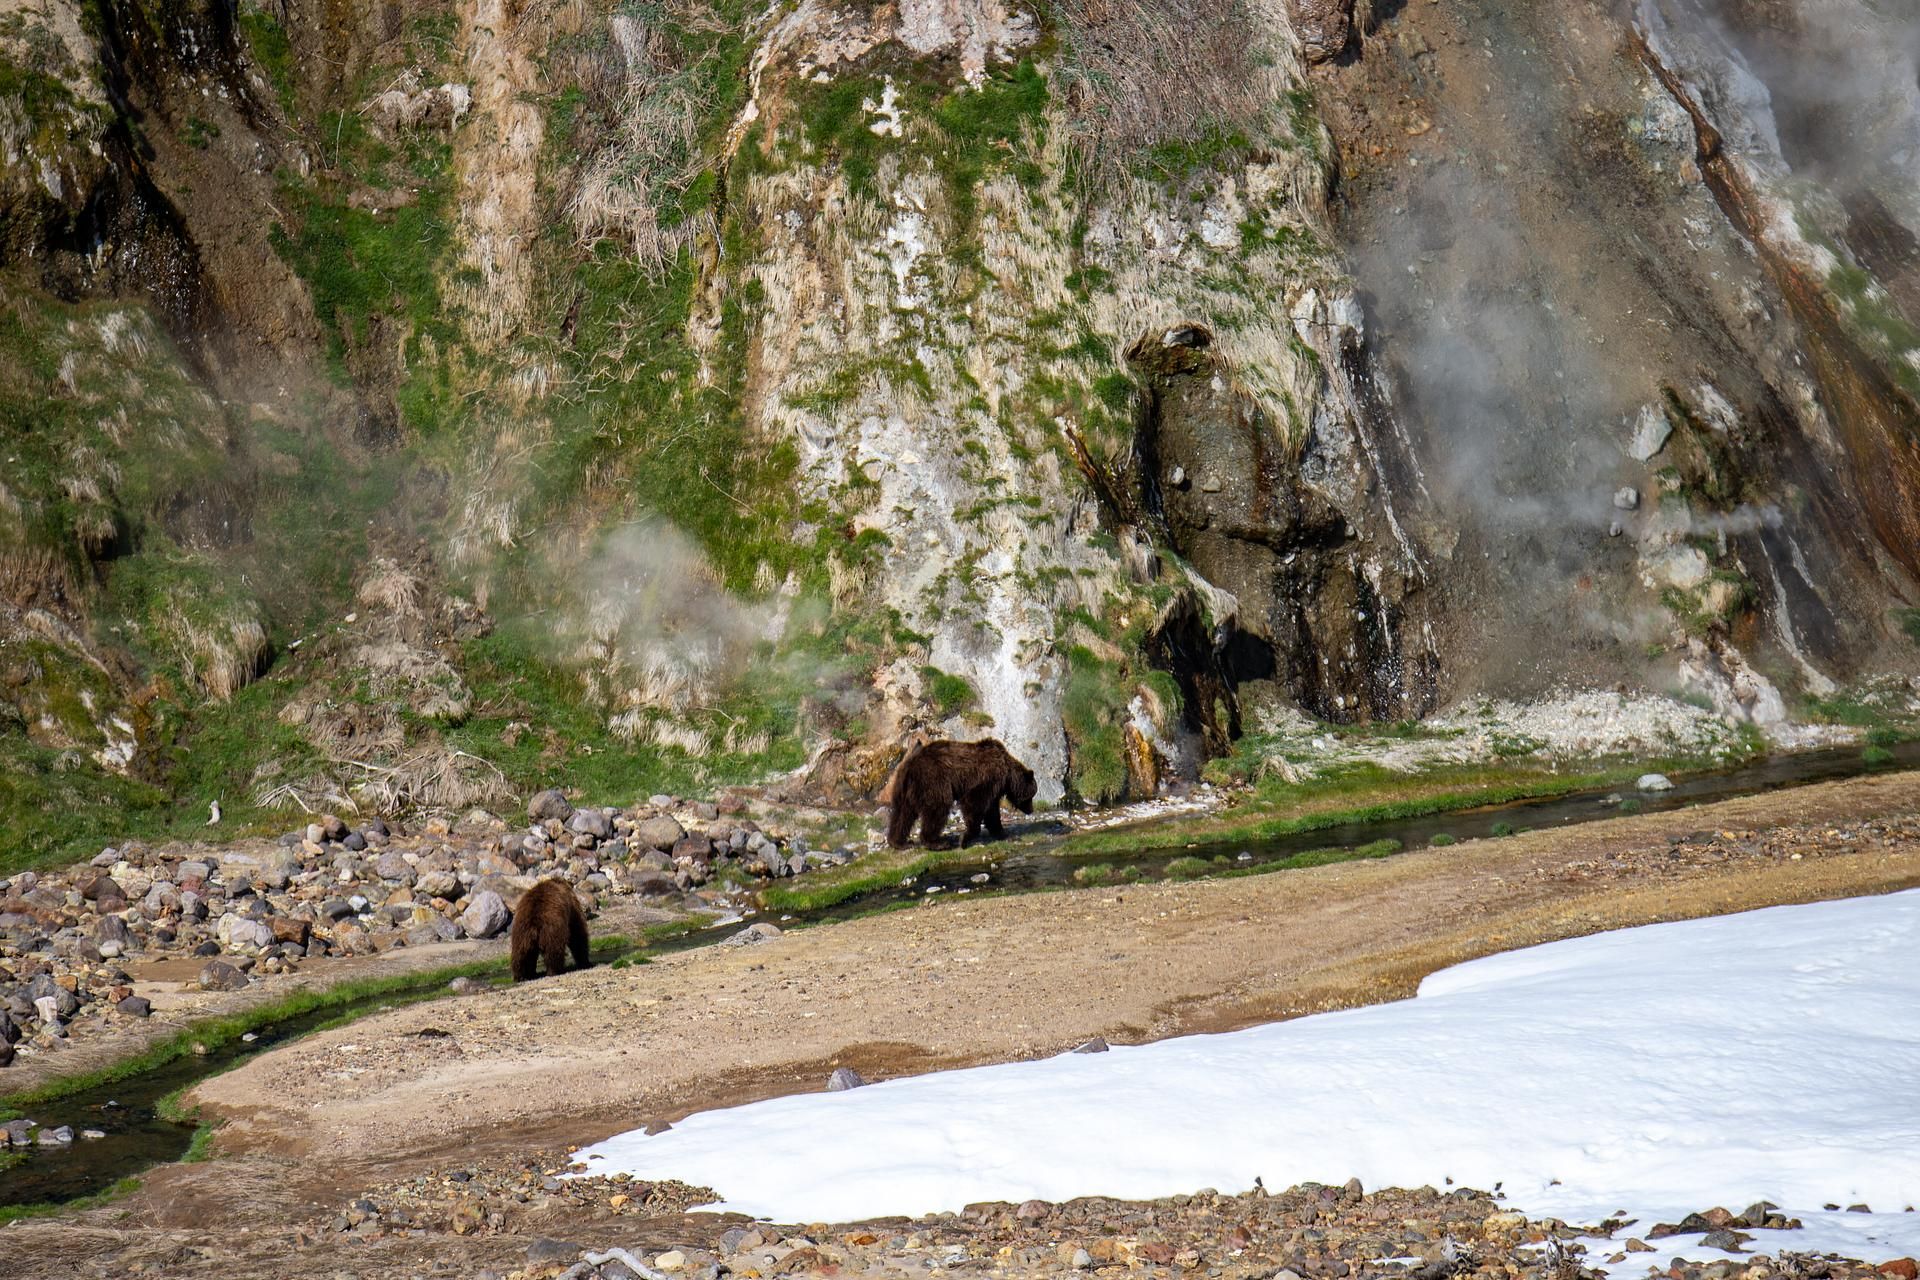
{"x":288,"y":929}
{"x":1904,"y":1268}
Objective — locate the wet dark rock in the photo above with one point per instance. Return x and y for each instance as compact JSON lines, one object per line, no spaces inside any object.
{"x":135,"y":1006}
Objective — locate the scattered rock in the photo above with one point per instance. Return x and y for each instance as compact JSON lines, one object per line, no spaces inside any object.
{"x":485,"y":916}
{"x":843,"y":1078}
{"x":218,"y":975}
{"x":550,"y":804}
{"x":1653,"y":782}
{"x":1096,"y":1045}
{"x":1650,"y":432}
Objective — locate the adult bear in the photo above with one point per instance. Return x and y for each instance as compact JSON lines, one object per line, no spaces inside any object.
{"x":547,"y":923}
{"x":937,"y":775}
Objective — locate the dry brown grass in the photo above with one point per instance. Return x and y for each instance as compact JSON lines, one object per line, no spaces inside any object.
{"x":649,"y":101}
{"x":1139,"y":74}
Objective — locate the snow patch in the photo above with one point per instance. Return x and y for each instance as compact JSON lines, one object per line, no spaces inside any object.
{"x":1659,"y":1070}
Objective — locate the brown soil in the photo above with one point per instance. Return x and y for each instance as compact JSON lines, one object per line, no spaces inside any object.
{"x":581,"y":1057}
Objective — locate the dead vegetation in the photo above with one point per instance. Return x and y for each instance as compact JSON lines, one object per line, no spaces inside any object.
{"x":1140,"y":76}
{"x":645,"y":99}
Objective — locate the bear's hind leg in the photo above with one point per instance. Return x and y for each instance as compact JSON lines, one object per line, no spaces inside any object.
{"x":577,"y":940}
{"x":525,"y":958}
{"x":933,"y":824}
{"x":555,"y":954}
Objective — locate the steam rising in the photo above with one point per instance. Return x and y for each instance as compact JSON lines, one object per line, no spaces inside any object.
{"x":653,"y":615}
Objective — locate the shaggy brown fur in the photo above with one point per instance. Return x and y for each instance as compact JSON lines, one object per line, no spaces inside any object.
{"x":919,"y":739}
{"x":975,"y":774}
{"x":547,"y":924}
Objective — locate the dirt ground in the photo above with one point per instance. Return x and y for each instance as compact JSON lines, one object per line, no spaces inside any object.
{"x":575,"y":1059}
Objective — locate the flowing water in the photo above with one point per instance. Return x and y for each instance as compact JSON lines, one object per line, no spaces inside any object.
{"x":138,"y":1136}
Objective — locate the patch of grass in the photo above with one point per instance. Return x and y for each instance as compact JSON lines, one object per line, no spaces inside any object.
{"x":877,"y":871}
{"x":1360,"y":793}
{"x":1094,"y":709}
{"x":1441,"y":840}
{"x":1909,"y":620}
{"x":19,"y":1212}
{"x":951,"y":694}
{"x":1501,"y":829}
{"x":1188,"y":869}
{"x":1874,"y":757}
{"x":1631,"y":805}
{"x":1098,"y":873}
{"x":272,"y":52}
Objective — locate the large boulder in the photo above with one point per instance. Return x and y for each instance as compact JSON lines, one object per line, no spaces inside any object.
{"x":660,"y":833}
{"x":486,"y":916}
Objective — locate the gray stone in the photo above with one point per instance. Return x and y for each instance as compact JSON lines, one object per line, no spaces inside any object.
{"x":468,"y":986}
{"x":135,"y":1006}
{"x":1096,"y":1045}
{"x":1650,"y":432}
{"x":1654,"y":782}
{"x":753,"y":933}
{"x":485,"y":916}
{"x":393,"y":867}
{"x":694,"y":846}
{"x":660,"y":833}
{"x":590,"y":822}
{"x":549,"y":804}
{"x":55,"y":1137}
{"x":221,"y":976}
{"x":1627,"y":498}
{"x":438,"y":884}
{"x":113,"y":929}
{"x":842,"y":1079}
{"x":279,"y":868}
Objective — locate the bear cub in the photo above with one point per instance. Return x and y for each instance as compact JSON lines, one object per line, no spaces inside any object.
{"x":936,"y":776}
{"x":547,"y":924}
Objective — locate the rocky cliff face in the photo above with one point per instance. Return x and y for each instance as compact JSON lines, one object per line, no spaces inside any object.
{"x":692,"y":391}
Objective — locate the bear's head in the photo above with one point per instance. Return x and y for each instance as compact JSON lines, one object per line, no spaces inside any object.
{"x":1021,"y":787}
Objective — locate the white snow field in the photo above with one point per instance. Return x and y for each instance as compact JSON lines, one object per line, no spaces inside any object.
{"x":1661,"y":1070}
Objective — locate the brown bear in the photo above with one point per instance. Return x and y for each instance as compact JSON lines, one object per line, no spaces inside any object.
{"x":937,"y":775}
{"x":547,"y":923}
